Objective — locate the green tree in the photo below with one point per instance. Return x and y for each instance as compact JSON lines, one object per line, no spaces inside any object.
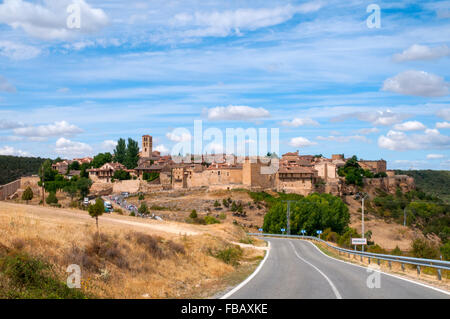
{"x":71,"y":189}
{"x":97,"y":210}
{"x":143,"y":209}
{"x":193,"y":214}
{"x":101,"y":159}
{"x":120,"y":151}
{"x":121,"y":175}
{"x":84,"y":185}
{"x":74,"y":166}
{"x":27,"y":194}
{"x":46,"y":172}
{"x":132,"y":154}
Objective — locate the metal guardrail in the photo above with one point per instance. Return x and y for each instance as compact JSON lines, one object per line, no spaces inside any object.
{"x":418,"y":262}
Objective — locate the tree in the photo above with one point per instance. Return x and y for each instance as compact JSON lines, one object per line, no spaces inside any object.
{"x":27,"y":194}
{"x":120,"y":151}
{"x":101,"y":158}
{"x":97,"y":210}
{"x":71,"y":189}
{"x":193,"y":214}
{"x":46,"y":172}
{"x":132,"y":154}
{"x":121,"y":175}
{"x":143,"y":209}
{"x":74,"y":166}
{"x":84,"y":185}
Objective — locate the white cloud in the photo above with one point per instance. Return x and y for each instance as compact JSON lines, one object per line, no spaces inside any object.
{"x":385,"y":118}
{"x":5,"y":86}
{"x":8,"y":150}
{"x":367,"y":131}
{"x":444,"y":113}
{"x":410,"y":126}
{"x":399,"y":141}
{"x":417,"y":83}
{"x":49,"y":20}
{"x":16,"y":51}
{"x":301,"y":142}
{"x":422,"y":52}
{"x":221,"y":24}
{"x":70,"y":148}
{"x":184,"y":137}
{"x":296,"y":122}
{"x":443,"y":125}
{"x":435,"y":156}
{"x":343,"y":139}
{"x":56,"y":129}
{"x":7,"y":124}
{"x":236,"y":113}
{"x":109,"y":145}
{"x":162,"y":149}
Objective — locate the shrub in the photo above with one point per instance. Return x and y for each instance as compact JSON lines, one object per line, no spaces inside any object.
{"x":421,"y":248}
{"x":230,"y":255}
{"x":211,"y":220}
{"x":27,"y":194}
{"x":118,"y":211}
{"x":445,"y":251}
{"x":216,"y":204}
{"x":396,"y":251}
{"x":141,"y":197}
{"x":222,"y":216}
{"x":51,"y":198}
{"x":143,"y":209}
{"x":193,"y":214}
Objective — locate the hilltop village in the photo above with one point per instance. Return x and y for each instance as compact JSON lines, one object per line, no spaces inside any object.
{"x":296,"y":173}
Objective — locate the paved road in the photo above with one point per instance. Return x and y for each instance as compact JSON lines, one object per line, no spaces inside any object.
{"x":296,"y":269}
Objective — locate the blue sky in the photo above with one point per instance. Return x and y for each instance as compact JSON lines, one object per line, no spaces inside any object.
{"x":311,"y":68}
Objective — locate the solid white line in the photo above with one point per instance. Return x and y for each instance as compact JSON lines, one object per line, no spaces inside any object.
{"x":336,"y":292}
{"x":385,"y":273}
{"x":246,"y":281}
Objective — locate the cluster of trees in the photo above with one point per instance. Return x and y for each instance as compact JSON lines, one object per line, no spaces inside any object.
{"x":354,"y":173}
{"x":53,"y":182}
{"x":311,"y":213}
{"x":150,"y":176}
{"x":14,"y":167}
{"x":127,"y":153}
{"x":431,"y":182}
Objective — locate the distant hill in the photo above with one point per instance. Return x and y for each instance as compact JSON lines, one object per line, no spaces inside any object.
{"x":14,"y":167}
{"x":431,"y":182}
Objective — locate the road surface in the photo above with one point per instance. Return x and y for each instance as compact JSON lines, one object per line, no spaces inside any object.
{"x":296,"y":269}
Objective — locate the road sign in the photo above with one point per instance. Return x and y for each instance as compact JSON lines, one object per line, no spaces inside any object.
{"x":359,"y":241}
{"x":283,"y":229}
{"x":260,"y":229}
{"x":319,"y":232}
{"x":303,"y":231}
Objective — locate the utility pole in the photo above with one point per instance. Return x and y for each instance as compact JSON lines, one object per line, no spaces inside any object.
{"x":362,"y":196}
{"x":404,"y":216}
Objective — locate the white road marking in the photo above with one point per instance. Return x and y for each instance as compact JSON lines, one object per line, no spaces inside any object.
{"x":384,"y":273}
{"x":246,"y":281}
{"x":333,"y":287}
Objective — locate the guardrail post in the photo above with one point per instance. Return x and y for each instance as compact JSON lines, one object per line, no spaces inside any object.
{"x":418,"y":269}
{"x":403,"y":266}
{"x":369,"y":260}
{"x":362,"y":259}
{"x":390,"y":264}
{"x":439,"y":274}
{"x":378,"y":262}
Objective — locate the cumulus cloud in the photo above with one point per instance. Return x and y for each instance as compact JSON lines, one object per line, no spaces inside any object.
{"x":385,"y":118}
{"x":16,"y":51}
{"x":236,"y":113}
{"x":399,"y":141}
{"x":48,"y":20}
{"x":343,"y":139}
{"x":301,"y":142}
{"x":443,"y":125}
{"x":444,"y":113}
{"x":221,"y":24}
{"x":70,"y":148}
{"x":109,"y":145}
{"x":296,"y":122}
{"x":9,"y":150}
{"x":417,"y":83}
{"x":183,"y":137}
{"x":61,"y":128}
{"x":7,"y":124}
{"x":435,"y":156}
{"x":410,"y":126}
{"x":5,"y":86}
{"x":162,"y":149}
{"x":422,"y":52}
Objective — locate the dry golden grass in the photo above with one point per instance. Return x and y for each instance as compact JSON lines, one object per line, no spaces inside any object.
{"x":125,"y":260}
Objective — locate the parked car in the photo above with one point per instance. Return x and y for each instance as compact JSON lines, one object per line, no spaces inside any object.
{"x":86,"y":201}
{"x":108,"y":207}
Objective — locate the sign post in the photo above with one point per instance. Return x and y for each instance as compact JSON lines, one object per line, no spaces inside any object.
{"x":303,"y":232}
{"x":283,"y":230}
{"x":319,"y":232}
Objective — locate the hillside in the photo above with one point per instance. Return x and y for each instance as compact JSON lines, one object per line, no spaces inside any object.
{"x":431,"y":182}
{"x":14,"y":167}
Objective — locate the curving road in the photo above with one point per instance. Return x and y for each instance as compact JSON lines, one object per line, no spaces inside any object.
{"x":296,"y":269}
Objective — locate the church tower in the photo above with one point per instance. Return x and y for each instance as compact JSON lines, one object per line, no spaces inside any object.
{"x":146,"y":146}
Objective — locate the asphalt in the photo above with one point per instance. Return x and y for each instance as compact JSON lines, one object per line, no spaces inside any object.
{"x":296,"y":269}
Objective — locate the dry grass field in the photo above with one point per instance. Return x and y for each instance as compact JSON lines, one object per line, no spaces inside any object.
{"x":131,"y":257}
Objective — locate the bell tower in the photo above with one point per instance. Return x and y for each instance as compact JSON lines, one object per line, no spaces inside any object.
{"x":146,"y":146}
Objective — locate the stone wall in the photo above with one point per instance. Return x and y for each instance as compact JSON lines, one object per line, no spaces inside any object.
{"x":9,"y":189}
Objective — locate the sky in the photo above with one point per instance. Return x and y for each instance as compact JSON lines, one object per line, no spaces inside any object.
{"x":317,"y":70}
